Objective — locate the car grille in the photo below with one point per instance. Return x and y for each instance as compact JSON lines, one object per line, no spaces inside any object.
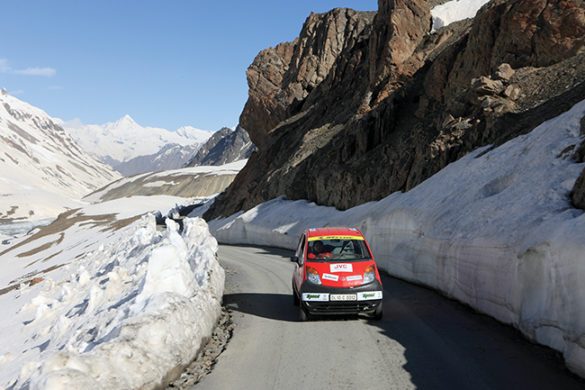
{"x":341,"y":307}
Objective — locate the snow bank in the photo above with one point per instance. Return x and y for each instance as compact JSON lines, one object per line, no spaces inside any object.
{"x":495,"y":230}
{"x":454,"y":11}
{"x":126,"y":315}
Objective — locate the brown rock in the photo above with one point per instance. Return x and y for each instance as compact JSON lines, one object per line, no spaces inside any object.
{"x":36,"y":280}
{"x":399,"y":28}
{"x":280,"y":78}
{"x":487,"y":86}
{"x":505,"y":72}
{"x":265,"y":77}
{"x":513,"y":92}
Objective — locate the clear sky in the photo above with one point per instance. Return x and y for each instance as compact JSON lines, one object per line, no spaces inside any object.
{"x":167,"y":63}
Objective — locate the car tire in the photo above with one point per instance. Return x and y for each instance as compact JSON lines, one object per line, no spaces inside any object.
{"x":379,"y":313}
{"x":303,"y":315}
{"x":296,"y":300}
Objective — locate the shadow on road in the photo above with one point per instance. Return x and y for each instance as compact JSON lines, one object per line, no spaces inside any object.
{"x":450,"y":346}
{"x":277,"y":307}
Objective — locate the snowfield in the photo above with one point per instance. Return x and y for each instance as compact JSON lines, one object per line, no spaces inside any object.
{"x":495,"y":230}
{"x":102,"y":298}
{"x":43,"y":171}
{"x":454,"y":11}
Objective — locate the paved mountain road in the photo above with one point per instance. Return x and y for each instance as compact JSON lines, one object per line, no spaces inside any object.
{"x":425,"y":340}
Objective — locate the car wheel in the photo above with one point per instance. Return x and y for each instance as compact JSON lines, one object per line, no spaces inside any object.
{"x":303,"y":315}
{"x":379,"y":313}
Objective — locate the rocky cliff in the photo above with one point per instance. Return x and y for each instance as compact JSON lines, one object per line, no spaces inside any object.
{"x":362,"y":105}
{"x":225,"y":146}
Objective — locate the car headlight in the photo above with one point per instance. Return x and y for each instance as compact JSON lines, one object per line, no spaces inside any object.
{"x":370,"y":274}
{"x":313,"y":276}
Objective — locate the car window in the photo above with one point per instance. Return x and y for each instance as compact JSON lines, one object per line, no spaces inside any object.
{"x":300,"y":248}
{"x":338,"y":249}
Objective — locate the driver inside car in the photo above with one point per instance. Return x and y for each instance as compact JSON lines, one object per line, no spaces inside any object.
{"x":319,"y":251}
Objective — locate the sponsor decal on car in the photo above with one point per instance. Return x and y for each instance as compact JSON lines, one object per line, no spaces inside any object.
{"x":342,"y":267}
{"x":315,"y":297}
{"x":353,"y":278}
{"x":334,"y":278}
{"x":325,"y":238}
{"x":370,"y":295}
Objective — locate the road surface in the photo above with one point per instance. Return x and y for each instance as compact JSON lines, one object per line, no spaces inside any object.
{"x":425,"y":340}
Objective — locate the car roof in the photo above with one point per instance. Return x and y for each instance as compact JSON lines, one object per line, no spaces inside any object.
{"x":334,"y":231}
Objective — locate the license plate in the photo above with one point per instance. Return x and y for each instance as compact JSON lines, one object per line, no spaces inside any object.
{"x":343,"y":297}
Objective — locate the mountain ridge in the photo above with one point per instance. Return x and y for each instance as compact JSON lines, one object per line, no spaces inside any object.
{"x":399,"y":103}
{"x":43,"y":170}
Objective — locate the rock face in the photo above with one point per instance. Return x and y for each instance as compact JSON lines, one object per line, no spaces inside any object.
{"x":394,"y":104}
{"x":224,"y":147}
{"x":280,"y":78}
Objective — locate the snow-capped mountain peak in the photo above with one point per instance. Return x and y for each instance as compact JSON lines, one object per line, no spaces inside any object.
{"x":194,"y":133}
{"x":125,"y":139}
{"x":125,"y":122}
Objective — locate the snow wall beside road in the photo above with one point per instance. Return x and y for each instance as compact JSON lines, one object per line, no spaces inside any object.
{"x":494,"y":230}
{"x":132,"y":314}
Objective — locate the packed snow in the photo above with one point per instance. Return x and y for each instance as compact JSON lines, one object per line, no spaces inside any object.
{"x":107,"y":301}
{"x":454,"y":11}
{"x":495,"y":230}
{"x":43,"y":171}
{"x":124,"y":139}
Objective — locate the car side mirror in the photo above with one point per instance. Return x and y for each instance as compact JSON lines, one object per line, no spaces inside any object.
{"x":294,"y":259}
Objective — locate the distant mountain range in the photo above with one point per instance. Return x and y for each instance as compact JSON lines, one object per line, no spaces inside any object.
{"x":43,"y":171}
{"x":120,"y":143}
{"x":133,"y":149}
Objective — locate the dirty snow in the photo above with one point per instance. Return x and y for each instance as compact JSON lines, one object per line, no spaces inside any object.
{"x":454,"y":11}
{"x":106,"y":302}
{"x":495,"y":230}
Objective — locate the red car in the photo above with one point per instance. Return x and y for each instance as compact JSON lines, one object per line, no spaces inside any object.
{"x":336,"y":273}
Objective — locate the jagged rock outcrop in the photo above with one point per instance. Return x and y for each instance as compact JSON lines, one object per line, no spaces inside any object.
{"x":224,"y":146}
{"x":399,"y":28}
{"x":280,"y":78}
{"x":399,"y":103}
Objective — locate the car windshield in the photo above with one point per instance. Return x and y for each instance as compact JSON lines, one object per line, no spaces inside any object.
{"x":337,"y":250}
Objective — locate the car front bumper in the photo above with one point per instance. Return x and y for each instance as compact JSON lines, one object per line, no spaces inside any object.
{"x":316,"y":299}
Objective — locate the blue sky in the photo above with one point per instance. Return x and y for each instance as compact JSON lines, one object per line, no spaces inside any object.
{"x":167,"y":63}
